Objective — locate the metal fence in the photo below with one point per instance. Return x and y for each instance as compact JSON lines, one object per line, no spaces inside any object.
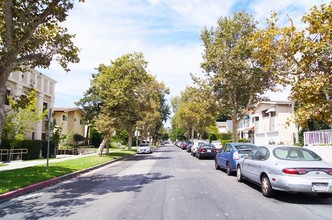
{"x":323,"y":137}
{"x":12,"y":154}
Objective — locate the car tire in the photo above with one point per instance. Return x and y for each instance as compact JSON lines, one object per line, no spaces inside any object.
{"x":228,"y":169}
{"x":199,"y":156}
{"x":216,"y":165}
{"x":266,"y":187}
{"x":239,"y":176}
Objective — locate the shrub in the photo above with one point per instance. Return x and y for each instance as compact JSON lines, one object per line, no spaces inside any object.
{"x":34,"y":148}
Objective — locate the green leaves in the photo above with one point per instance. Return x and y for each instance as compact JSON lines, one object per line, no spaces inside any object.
{"x":302,"y":58}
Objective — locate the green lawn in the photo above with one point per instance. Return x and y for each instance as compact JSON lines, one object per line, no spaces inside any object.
{"x":18,"y":178}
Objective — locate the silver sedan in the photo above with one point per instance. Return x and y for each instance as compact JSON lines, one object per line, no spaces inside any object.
{"x":284,"y":168}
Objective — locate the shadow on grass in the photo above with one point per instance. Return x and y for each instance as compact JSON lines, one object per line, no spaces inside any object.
{"x":64,"y":200}
{"x":14,"y":179}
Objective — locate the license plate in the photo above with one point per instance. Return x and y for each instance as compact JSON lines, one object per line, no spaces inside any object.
{"x":320,"y":186}
{"x":208,"y":150}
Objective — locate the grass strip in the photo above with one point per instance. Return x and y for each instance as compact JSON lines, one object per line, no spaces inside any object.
{"x":14,"y":179}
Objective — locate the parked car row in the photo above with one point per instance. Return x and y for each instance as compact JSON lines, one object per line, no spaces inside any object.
{"x":273,"y":168}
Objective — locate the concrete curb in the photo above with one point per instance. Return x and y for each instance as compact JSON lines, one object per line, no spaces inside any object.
{"x":25,"y":190}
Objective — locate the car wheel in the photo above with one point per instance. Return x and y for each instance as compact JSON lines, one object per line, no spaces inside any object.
{"x":266,"y":187}
{"x":216,"y":165}
{"x":228,"y":169}
{"x":239,"y":176}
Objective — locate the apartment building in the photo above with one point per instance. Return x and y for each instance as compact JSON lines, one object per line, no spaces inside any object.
{"x":270,"y":123}
{"x":70,"y":120}
{"x":19,"y":82}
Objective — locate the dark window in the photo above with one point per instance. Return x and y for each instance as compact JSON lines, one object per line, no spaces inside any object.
{"x":6,"y":98}
{"x":44,"y":106}
{"x":64,"y":118}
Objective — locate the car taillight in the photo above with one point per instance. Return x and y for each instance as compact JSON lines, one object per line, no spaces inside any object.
{"x":202,"y":150}
{"x":214,"y":150}
{"x":329,"y":171}
{"x":290,"y":171}
{"x":235,"y":156}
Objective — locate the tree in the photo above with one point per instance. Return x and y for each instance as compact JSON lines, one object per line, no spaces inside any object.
{"x":31,"y":36}
{"x":22,"y":116}
{"x":302,"y":58}
{"x":194,"y":111}
{"x":126,"y":94}
{"x":236,"y":79}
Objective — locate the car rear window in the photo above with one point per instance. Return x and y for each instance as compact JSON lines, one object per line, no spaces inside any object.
{"x":295,"y":153}
{"x":245,"y":147}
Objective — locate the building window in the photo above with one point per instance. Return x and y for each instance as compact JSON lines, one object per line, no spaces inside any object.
{"x":64,"y":118}
{"x":81,"y":122}
{"x":6,"y":98}
{"x":44,"y":106}
{"x":273,"y":114}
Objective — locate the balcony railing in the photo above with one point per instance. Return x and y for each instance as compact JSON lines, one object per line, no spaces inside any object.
{"x":323,"y":137}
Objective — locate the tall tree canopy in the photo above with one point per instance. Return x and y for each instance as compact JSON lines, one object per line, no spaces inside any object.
{"x":127,"y":95}
{"x":236,"y":79}
{"x":194,"y":111}
{"x":31,"y":36}
{"x":303,"y":59}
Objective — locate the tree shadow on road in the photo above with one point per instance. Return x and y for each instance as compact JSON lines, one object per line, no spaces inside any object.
{"x":83,"y":190}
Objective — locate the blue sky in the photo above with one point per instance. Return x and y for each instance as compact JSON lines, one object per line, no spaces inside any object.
{"x":167,"y":32}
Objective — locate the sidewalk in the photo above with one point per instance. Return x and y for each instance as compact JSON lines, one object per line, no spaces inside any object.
{"x":21,"y":164}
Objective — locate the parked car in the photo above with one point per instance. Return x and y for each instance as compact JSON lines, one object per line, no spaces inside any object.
{"x":206,"y":151}
{"x":184,"y":145}
{"x":189,"y":146}
{"x":228,"y":156}
{"x":217,"y":144}
{"x":285,"y":168}
{"x":195,"y":147}
{"x":144,"y":148}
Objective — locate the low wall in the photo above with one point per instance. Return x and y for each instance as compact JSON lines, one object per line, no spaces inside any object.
{"x":324,"y":152}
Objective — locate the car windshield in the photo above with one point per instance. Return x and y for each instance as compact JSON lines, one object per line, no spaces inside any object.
{"x":245,"y":147}
{"x":295,"y":153}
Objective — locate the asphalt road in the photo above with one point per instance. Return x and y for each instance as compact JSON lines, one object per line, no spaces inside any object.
{"x":168,"y":184}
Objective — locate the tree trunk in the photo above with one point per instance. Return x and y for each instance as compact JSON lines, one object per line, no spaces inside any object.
{"x":103,"y":144}
{"x":130,"y":137}
{"x":192,"y":133}
{"x":235,"y":130}
{"x":3,"y":93}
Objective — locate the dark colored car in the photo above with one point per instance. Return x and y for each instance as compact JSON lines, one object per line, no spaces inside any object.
{"x":189,"y":146}
{"x":206,"y":151}
{"x":228,"y":156}
{"x":184,"y":145}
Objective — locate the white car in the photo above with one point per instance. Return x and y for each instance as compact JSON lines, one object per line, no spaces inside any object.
{"x":217,"y":144}
{"x":144,"y":148}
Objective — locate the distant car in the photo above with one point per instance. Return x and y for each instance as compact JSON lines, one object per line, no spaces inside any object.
{"x":206,"y":151}
{"x":286,"y":168}
{"x":195,"y":147}
{"x":184,"y":145}
{"x":144,"y":148}
{"x":230,"y":153}
{"x":189,"y":146}
{"x":217,"y":144}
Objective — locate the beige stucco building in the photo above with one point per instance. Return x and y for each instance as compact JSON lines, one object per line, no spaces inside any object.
{"x":71,"y":121}
{"x":271,"y":122}
{"x":19,"y":82}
